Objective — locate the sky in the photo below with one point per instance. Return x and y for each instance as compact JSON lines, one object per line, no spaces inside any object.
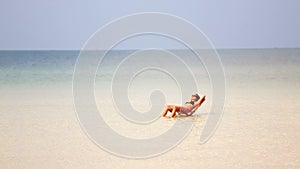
{"x":68,"y":24}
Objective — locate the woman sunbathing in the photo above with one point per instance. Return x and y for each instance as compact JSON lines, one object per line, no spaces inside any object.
{"x":188,"y":109}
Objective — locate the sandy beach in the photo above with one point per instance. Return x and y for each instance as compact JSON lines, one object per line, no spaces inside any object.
{"x":259,"y":129}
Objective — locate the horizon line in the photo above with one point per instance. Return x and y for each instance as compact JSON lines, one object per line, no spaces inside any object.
{"x":145,"y":49}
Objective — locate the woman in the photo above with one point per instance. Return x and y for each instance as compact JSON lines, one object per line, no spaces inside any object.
{"x":188,"y":109}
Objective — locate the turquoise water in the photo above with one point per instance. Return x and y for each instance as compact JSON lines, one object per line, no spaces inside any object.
{"x":51,"y":67}
{"x":53,"y":70}
{"x":29,"y":68}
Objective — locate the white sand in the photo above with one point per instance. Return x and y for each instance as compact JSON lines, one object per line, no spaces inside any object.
{"x":260,"y":129}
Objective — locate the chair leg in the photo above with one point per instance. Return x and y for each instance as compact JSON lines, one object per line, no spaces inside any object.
{"x":165,"y":112}
{"x":173,"y":112}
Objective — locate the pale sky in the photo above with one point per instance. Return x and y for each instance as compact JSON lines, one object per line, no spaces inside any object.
{"x":67,"y":24}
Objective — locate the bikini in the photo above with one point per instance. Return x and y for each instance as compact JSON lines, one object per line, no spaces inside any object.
{"x":188,"y":106}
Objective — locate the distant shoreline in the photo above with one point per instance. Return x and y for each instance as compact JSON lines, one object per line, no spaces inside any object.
{"x":77,"y":50}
